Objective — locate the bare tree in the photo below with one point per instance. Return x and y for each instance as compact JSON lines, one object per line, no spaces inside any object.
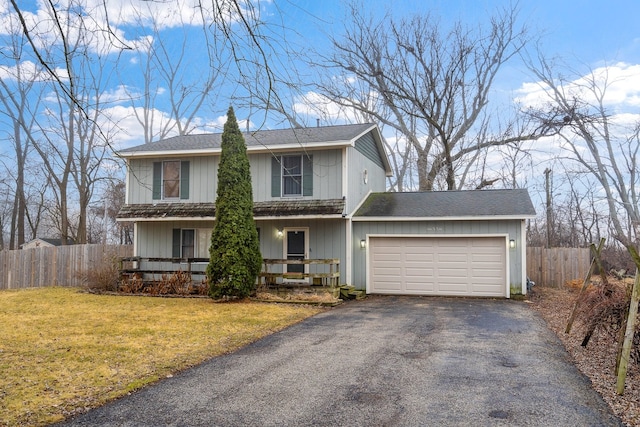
{"x":606,"y":146}
{"x":20,"y":95}
{"x":168,"y":71}
{"x":232,"y":24}
{"x":71,"y":141}
{"x":431,"y":86}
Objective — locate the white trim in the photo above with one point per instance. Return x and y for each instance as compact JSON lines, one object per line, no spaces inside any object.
{"x":285,"y":230}
{"x":213,"y":218}
{"x":523,"y":256}
{"x":345,"y":170}
{"x":440,"y":218}
{"x":467,"y":235}
{"x":127,"y":177}
{"x":348,"y":269}
{"x":302,"y":146}
{"x":135,"y":239}
{"x":167,"y":218}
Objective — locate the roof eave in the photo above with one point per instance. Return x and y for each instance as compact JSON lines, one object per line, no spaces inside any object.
{"x":443,"y":218}
{"x":251,"y":149}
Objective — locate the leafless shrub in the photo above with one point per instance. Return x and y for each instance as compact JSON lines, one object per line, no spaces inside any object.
{"x":132,"y":285}
{"x":604,"y":307}
{"x":103,"y":276}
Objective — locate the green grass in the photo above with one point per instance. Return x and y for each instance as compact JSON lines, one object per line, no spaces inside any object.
{"x":62,"y":350}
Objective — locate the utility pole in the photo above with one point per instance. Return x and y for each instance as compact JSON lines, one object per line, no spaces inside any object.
{"x":547,"y":173}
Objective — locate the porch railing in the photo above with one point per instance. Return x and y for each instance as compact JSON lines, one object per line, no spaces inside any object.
{"x":329,"y":277}
{"x":140,"y":267}
{"x":326,"y":272}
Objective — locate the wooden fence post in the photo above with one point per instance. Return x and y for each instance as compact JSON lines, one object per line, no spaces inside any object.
{"x":628,"y":335}
{"x":587,"y":279}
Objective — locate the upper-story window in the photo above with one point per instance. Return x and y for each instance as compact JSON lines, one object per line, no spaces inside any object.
{"x":170,"y":180}
{"x":292,"y":176}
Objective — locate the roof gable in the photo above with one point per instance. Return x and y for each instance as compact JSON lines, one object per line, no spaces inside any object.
{"x":448,"y":204}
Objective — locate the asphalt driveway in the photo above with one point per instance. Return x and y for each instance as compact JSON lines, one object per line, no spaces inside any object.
{"x":403,"y":361}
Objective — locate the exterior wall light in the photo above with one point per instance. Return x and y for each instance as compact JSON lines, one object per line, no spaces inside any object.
{"x":363,"y":244}
{"x":280,"y":233}
{"x":512,"y":244}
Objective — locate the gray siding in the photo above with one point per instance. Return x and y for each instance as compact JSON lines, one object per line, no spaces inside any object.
{"x":434,"y":228}
{"x":366,"y":145}
{"x":202,"y":181}
{"x":326,"y":238}
{"x":327,"y":177}
{"x":357,"y":189}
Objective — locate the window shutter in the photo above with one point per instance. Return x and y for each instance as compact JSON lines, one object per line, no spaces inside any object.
{"x":275,"y":176}
{"x":307,"y":175}
{"x":175,"y":246}
{"x":157,"y":181}
{"x":184,"y":180}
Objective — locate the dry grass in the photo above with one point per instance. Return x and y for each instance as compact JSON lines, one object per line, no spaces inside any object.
{"x":63,"y":351}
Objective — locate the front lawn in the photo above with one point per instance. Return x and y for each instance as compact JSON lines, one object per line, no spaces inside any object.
{"x":62,"y":350}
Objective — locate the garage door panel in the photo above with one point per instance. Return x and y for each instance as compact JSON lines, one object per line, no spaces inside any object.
{"x":453,"y":266}
{"x":489,"y":258}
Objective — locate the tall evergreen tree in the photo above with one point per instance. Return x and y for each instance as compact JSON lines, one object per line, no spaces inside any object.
{"x":234,"y":255}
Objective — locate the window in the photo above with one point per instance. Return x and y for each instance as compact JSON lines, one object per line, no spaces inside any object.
{"x":188,"y":244}
{"x":191,"y":243}
{"x":170,"y":180}
{"x":291,"y":175}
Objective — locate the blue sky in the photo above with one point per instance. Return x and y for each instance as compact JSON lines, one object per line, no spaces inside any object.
{"x":585,"y":34}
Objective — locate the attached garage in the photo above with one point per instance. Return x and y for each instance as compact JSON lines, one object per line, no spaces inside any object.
{"x":460,"y":266}
{"x":449,"y":243}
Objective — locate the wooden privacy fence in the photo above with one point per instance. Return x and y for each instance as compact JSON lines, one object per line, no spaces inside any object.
{"x":555,"y":266}
{"x":55,"y":266}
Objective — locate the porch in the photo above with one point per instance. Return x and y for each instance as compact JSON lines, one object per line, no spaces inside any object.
{"x":274,"y":274}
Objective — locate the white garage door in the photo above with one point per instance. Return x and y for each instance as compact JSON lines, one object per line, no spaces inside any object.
{"x":452,"y":266}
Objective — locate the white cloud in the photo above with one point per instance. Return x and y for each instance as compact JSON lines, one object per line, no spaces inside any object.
{"x":119,"y":94}
{"x":622,"y":82}
{"x":27,"y":71}
{"x":315,"y":105}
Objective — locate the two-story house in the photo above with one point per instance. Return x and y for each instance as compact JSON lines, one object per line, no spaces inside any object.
{"x":319,"y":193}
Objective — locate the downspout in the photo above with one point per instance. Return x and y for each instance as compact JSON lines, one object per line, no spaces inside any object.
{"x":347,"y":278}
{"x":523,"y":256}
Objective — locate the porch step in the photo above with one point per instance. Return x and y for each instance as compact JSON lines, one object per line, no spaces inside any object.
{"x":350,"y":292}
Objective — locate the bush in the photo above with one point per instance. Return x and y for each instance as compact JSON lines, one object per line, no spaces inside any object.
{"x":104,"y":276}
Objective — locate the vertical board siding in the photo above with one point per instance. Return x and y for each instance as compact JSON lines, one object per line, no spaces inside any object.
{"x":327,"y":175}
{"x":357,"y":188}
{"x":366,"y":144}
{"x":55,"y":266}
{"x":555,"y":266}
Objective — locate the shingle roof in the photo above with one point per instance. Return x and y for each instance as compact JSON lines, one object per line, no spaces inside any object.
{"x":208,"y":210}
{"x":260,"y":138}
{"x":449,"y":204}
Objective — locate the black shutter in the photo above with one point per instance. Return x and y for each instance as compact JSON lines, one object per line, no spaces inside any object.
{"x":307,"y":175}
{"x":175,"y":245}
{"x":184,"y":180}
{"x":157,"y":181}
{"x":276,"y":171}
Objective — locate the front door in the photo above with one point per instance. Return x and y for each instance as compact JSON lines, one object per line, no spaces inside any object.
{"x":296,"y":246}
